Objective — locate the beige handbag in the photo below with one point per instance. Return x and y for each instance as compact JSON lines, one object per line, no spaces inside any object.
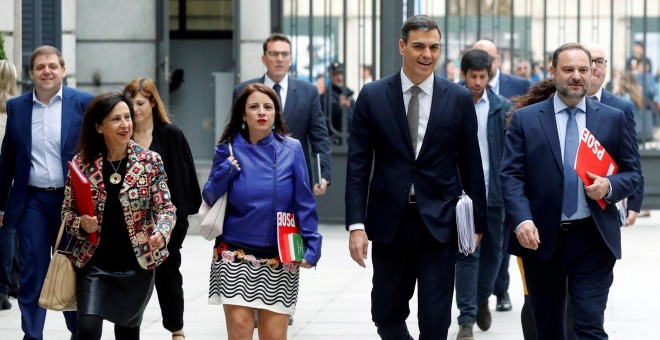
{"x":59,"y":290}
{"x":212,"y":218}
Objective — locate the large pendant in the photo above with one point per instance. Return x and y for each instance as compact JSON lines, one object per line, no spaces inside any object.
{"x":115,"y":178}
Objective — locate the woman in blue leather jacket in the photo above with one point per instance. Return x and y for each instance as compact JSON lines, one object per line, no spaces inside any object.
{"x":265,"y":174}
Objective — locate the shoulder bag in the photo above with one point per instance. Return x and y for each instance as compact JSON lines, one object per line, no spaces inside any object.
{"x":59,"y":290}
{"x":212,"y":218}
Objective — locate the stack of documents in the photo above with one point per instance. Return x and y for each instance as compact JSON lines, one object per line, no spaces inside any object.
{"x":465,"y":225}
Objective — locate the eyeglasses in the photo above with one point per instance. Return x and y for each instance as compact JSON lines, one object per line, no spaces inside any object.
{"x":275,"y":54}
{"x":600,"y":62}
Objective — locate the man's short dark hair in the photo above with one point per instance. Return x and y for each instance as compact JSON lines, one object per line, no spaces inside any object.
{"x":476,"y":60}
{"x":276,"y":37}
{"x":566,"y":47}
{"x":418,"y":22}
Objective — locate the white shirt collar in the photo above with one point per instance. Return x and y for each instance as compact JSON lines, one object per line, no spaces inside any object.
{"x":598,"y":94}
{"x":57,"y":96}
{"x":560,"y":106}
{"x":284,"y":83}
{"x":426,"y":85}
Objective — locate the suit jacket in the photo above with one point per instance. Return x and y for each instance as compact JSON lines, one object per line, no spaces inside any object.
{"x":145,"y":201}
{"x":15,"y":157}
{"x":306,"y":122}
{"x":449,"y":161}
{"x":533,"y":176}
{"x":511,"y":86}
{"x":609,"y":99}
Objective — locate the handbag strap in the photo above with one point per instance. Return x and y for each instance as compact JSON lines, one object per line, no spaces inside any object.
{"x":59,"y":234}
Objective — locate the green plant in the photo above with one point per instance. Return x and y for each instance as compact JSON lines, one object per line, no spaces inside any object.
{"x":2,"y":47}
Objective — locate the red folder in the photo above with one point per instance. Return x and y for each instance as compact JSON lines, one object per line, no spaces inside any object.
{"x":83,"y":194}
{"x":591,"y":156}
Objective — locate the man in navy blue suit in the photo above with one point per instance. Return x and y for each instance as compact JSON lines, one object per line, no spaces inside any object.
{"x":413,"y":149}
{"x":507,"y":86}
{"x":301,"y":107}
{"x":43,"y":128}
{"x":569,"y":245}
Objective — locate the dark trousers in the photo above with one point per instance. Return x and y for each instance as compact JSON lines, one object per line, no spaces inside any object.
{"x":169,"y":282}
{"x":475,"y":273}
{"x":36,"y":234}
{"x":6,"y":257}
{"x":414,"y":256}
{"x":582,"y":267}
{"x":501,"y":285}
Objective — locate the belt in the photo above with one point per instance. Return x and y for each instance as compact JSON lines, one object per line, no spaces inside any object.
{"x":568,"y":225}
{"x":412,"y":199}
{"x":37,"y":189}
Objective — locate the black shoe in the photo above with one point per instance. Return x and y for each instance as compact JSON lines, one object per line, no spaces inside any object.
{"x":4,"y":302}
{"x":484,"y":319}
{"x":503,"y":303}
{"x":290,"y":320}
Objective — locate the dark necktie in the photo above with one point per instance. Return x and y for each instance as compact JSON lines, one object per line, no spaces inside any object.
{"x":569,"y":206}
{"x":277,"y":89}
{"x":413,"y":115}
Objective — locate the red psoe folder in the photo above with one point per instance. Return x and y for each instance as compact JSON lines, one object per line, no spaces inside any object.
{"x":83,"y":194}
{"x":591,"y":156}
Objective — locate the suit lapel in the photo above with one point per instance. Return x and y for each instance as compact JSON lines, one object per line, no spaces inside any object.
{"x":593,"y":117}
{"x":67,"y":106}
{"x":549,"y":125}
{"x":291,"y":93}
{"x":26,"y":128}
{"x":395,"y":97}
{"x":438,"y":103}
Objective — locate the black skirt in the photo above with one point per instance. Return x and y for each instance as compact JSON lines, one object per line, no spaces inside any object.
{"x":117,"y":296}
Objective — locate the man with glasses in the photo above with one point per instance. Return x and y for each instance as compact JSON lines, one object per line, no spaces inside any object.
{"x":599,"y":93}
{"x":300,"y":104}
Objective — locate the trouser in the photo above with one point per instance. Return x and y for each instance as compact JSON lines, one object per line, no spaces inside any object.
{"x":169,"y":281}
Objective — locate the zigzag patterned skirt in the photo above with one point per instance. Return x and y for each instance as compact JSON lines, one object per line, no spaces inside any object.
{"x":241,"y":278}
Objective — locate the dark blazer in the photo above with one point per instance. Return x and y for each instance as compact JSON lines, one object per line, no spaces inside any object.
{"x":306,"y":122}
{"x":609,"y":99}
{"x":533,"y":177}
{"x":448,"y":162}
{"x":15,"y":157}
{"x":171,"y":144}
{"x":511,"y":86}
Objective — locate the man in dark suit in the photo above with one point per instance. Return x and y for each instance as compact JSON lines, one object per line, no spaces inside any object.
{"x":569,"y":245}
{"x":507,"y":86}
{"x":43,"y":128}
{"x":412,"y":149}
{"x":301,"y":106}
{"x":598,"y":92}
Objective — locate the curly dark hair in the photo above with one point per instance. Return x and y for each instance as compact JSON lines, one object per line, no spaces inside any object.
{"x":537,"y":93}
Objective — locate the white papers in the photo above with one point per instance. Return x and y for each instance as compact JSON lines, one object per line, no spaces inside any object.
{"x":318,"y":167}
{"x":465,"y":225}
{"x":622,"y":207}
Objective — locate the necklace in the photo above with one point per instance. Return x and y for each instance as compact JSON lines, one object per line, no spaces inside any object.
{"x":115,"y":178}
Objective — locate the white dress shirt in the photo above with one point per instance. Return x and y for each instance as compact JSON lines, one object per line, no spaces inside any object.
{"x":482,"y":107}
{"x":46,"y":169}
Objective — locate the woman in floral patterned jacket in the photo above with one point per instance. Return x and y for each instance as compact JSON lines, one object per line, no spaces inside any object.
{"x":119,"y":247}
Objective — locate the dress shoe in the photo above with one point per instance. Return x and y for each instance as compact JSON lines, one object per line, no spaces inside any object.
{"x":4,"y":302}
{"x":465,"y":331}
{"x":13,"y":292}
{"x":503,"y":303}
{"x":484,"y":319}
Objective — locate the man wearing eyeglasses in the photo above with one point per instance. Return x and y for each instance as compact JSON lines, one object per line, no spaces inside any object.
{"x":300,"y":104}
{"x":599,"y":93}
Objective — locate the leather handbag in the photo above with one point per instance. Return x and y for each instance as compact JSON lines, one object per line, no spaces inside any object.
{"x":212,"y":218}
{"x":58,"y":292}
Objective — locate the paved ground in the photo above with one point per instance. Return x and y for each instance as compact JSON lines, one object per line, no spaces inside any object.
{"x":334,"y":298}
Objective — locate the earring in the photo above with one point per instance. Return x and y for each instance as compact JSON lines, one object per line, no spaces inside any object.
{"x":273,"y":127}
{"x":99,"y":131}
{"x":243,"y":126}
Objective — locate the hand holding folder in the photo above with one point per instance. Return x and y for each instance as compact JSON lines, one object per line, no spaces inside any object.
{"x":591,"y":156}
{"x":82,"y":192}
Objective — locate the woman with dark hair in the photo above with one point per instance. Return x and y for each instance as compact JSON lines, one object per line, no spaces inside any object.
{"x":152,"y":130}
{"x":265,"y":175}
{"x":132,"y":224}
